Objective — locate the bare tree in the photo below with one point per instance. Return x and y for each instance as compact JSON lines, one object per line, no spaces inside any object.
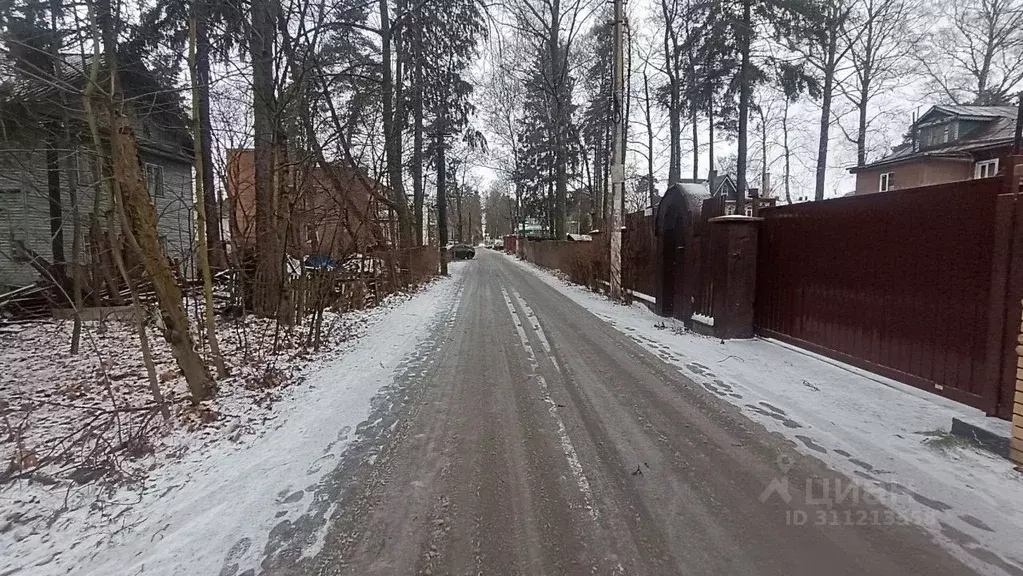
{"x":676,"y":47}
{"x":393,"y":119}
{"x":138,"y":214}
{"x":502,"y":97}
{"x":201,"y":197}
{"x":975,"y":53}
{"x":829,"y":38}
{"x":879,"y":56}
{"x":551,"y":27}
{"x":269,"y":256}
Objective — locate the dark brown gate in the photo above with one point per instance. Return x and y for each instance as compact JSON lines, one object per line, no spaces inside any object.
{"x":915,"y":284}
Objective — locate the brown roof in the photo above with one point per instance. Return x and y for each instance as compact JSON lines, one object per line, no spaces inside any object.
{"x":999,"y":131}
{"x":27,"y":100}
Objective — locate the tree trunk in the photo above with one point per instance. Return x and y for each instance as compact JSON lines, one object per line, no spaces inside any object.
{"x":560,"y":174}
{"x":674,"y":129}
{"x":651,"y":189}
{"x":787,"y":151}
{"x":140,"y":320}
{"x":267,"y":283}
{"x":710,"y":139}
{"x":558,"y":77}
{"x":597,"y":186}
{"x":764,"y":176}
{"x":418,"y":194}
{"x":825,"y":122}
{"x":696,"y":144}
{"x":458,"y":209}
{"x":744,"y":97}
{"x":861,"y":121}
{"x":392,"y":132}
{"x":56,"y":212}
{"x":201,"y":228}
{"x":214,"y":234}
{"x":56,"y":11}
{"x":141,"y":216}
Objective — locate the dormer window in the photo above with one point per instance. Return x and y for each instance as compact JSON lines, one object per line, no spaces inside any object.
{"x":939,"y":134}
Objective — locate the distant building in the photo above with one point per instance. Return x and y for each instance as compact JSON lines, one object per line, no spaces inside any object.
{"x":945,"y":144}
{"x":723,"y":185}
{"x":334,"y":214}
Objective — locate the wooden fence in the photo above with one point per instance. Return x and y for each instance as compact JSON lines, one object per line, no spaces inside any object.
{"x":639,"y":254}
{"x":365,"y":279}
{"x":587,"y":262}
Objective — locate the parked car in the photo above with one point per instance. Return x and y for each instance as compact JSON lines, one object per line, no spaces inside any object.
{"x":499,"y":245}
{"x":462,"y":252}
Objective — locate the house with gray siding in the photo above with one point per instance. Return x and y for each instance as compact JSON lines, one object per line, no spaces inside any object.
{"x":46,"y":154}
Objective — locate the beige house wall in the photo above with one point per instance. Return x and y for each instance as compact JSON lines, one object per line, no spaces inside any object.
{"x":925,"y":172}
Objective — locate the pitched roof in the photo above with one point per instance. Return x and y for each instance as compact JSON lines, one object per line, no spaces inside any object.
{"x":999,"y":130}
{"x":980,"y":112}
{"x":28,"y":98}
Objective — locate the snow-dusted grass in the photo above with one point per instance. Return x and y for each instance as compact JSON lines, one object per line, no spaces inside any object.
{"x":875,"y":430}
{"x":211,"y":488}
{"x":92,"y":417}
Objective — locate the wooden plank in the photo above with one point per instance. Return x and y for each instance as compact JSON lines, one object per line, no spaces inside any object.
{"x":1019,"y":395}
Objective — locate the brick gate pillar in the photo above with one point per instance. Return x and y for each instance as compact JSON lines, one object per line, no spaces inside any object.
{"x":736,"y":277}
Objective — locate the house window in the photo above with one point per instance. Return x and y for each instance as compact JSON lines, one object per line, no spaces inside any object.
{"x":887,"y":182}
{"x":154,"y":180}
{"x":13,"y":210}
{"x":986,"y":169}
{"x":84,"y":169}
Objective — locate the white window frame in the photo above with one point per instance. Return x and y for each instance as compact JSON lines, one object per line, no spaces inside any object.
{"x":985,"y":168}
{"x":884,"y":182}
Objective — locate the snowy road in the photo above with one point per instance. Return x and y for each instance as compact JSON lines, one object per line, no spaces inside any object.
{"x":536,"y":439}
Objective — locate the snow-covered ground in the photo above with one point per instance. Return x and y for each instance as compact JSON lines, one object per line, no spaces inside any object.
{"x":219,"y":500}
{"x":888,"y":435}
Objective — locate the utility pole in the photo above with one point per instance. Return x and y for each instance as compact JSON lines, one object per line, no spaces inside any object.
{"x":618,"y":161}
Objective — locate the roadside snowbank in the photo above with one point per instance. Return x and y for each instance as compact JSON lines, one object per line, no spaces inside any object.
{"x":222,"y":496}
{"x":882,"y":432}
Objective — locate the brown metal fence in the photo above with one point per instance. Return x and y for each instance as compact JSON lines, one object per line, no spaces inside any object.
{"x":587,"y":262}
{"x":904,"y":283}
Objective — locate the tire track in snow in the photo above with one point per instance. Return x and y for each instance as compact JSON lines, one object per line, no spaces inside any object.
{"x":566,"y":442}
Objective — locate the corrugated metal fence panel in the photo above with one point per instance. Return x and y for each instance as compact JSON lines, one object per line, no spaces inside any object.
{"x":898,"y":281}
